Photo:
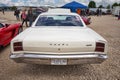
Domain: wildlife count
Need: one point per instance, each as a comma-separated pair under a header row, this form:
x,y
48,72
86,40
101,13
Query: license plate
x,y
58,61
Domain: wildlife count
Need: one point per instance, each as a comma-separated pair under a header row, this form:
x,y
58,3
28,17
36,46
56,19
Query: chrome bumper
x,y
70,58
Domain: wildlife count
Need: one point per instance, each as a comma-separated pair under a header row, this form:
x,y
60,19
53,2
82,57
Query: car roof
x,y
46,13
59,10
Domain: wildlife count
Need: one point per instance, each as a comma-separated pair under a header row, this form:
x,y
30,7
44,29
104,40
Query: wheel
x,y
20,30
1,47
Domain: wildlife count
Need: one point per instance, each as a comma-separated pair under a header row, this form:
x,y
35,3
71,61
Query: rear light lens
x,y
100,47
18,46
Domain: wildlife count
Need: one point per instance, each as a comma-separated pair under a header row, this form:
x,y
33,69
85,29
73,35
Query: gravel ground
x,y
107,26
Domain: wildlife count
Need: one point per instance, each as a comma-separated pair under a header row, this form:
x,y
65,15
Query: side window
x,y
1,25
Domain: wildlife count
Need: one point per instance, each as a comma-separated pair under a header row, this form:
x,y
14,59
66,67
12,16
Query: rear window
x,y
59,20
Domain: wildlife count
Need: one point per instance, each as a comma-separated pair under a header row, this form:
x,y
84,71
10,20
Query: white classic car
x,y
59,37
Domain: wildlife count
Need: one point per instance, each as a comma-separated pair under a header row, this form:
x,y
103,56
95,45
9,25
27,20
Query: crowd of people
x,y
82,12
86,12
25,16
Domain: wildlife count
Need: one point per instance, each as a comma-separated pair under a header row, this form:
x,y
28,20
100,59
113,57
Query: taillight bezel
x,y
18,46
100,47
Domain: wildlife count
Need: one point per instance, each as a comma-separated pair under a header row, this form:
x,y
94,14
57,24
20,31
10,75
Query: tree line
x,y
92,4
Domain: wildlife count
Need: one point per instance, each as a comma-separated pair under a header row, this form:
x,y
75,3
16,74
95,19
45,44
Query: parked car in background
x,y
86,19
38,11
59,37
8,32
104,11
92,11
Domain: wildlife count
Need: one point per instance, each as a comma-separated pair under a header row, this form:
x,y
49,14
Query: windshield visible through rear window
x,y
59,20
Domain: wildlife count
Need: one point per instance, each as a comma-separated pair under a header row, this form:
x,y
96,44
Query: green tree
x,y
101,6
13,8
115,4
92,4
108,7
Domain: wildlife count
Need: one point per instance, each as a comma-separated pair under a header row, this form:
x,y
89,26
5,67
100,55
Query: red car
x,y
7,32
86,20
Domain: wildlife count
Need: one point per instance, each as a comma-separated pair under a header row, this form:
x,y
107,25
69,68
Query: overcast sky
x,y
53,2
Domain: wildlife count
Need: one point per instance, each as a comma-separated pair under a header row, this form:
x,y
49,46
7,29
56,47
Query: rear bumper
x,y
71,59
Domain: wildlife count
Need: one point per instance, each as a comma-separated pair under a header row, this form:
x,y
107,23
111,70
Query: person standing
x,y
100,12
87,12
30,16
17,13
78,11
24,17
3,11
119,16
97,12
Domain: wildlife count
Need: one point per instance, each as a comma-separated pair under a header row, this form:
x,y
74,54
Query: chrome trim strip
x,y
42,56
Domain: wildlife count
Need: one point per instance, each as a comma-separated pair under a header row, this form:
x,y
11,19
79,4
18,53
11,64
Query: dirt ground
x,y
107,26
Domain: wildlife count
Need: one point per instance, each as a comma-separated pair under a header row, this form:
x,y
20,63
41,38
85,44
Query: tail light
x,y
100,47
17,46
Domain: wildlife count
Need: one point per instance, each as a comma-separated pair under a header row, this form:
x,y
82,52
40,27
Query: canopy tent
x,y
74,5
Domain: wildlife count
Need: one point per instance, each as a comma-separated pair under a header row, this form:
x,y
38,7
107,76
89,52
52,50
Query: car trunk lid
x,y
58,40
